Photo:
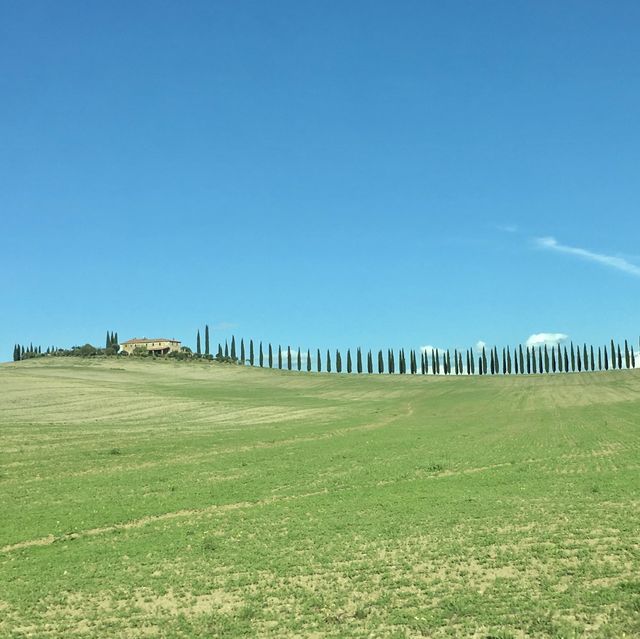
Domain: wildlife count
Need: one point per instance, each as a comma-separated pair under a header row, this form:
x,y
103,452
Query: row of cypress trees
x,y
20,351
517,361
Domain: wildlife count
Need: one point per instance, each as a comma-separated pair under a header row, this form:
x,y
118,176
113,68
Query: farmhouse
x,y
156,346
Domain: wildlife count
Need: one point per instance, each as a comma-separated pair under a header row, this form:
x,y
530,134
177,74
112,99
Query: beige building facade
x,y
156,346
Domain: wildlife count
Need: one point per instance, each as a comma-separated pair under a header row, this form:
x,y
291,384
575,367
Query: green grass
x,y
169,499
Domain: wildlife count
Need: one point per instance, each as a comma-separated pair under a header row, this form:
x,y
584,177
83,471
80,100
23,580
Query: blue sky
x,y
326,174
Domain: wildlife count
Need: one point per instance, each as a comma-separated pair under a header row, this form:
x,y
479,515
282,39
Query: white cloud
x,y
550,339
428,348
619,263
507,228
480,345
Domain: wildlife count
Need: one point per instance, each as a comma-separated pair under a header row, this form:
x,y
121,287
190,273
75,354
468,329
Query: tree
x,y
521,356
627,358
606,359
198,347
633,359
115,338
349,360
233,347
226,349
402,363
108,340
359,360
468,363
242,352
573,359
338,362
599,358
391,364
279,357
455,358
553,360
492,364
270,356
370,363
299,361
534,363
484,361
578,360
328,361
288,358
613,355
460,362
593,363
472,361
480,365
422,366
261,356
308,361
515,361
251,354
566,360
508,368
380,363
619,357
318,361
546,359
435,361
206,339
219,354
559,357
413,363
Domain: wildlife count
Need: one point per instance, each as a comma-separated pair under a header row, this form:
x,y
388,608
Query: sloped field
x,y
166,499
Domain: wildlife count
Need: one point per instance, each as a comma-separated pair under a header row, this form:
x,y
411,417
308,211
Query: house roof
x,y
148,340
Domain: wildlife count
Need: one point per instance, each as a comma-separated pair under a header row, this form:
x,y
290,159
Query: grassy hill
x,y
169,499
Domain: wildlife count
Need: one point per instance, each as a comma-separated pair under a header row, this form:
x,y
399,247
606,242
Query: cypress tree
x,y
619,357
484,361
242,352
460,362
546,359
299,361
22,352
578,360
515,361
521,356
434,361
198,347
349,367
492,364
226,349
115,338
585,357
369,363
233,348
473,362
359,360
338,362
613,355
401,363
422,362
289,358
448,362
573,359
219,353
318,362
261,356
528,361
270,356
206,339
455,359
633,359
566,360
328,361
468,364
599,358
308,361
279,357
504,360
534,363
553,360
251,353
480,365
606,359
392,363
380,363
627,358
107,342
414,364
559,358
593,363
508,360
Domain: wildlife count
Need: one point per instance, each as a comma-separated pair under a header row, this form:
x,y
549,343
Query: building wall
x,y
159,345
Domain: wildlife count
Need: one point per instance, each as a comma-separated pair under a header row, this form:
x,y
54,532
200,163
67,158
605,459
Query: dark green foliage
x,y
288,358
578,360
606,359
359,360
299,360
226,349
613,355
338,362
521,357
233,347
559,357
318,361
206,339
242,352
573,359
593,363
328,361
504,360
627,358
480,365
509,361
369,363
484,361
413,363
633,359
251,353
534,363
585,357
553,360
599,358
492,364
198,346
528,361
270,356
391,364
380,363
349,367
472,362
546,359
260,356
219,354
619,357
308,361
515,361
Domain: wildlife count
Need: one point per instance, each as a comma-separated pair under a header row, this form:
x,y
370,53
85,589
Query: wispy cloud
x,y
619,263
507,228
550,339
480,345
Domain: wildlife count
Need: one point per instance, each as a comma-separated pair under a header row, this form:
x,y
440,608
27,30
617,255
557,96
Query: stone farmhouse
x,y
156,345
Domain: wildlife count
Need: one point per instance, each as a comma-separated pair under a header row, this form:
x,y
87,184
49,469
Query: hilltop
x,y
162,498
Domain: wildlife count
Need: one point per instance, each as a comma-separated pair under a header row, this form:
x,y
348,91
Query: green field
x,y
187,499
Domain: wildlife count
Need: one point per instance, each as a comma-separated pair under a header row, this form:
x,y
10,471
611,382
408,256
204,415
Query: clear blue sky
x,y
323,174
